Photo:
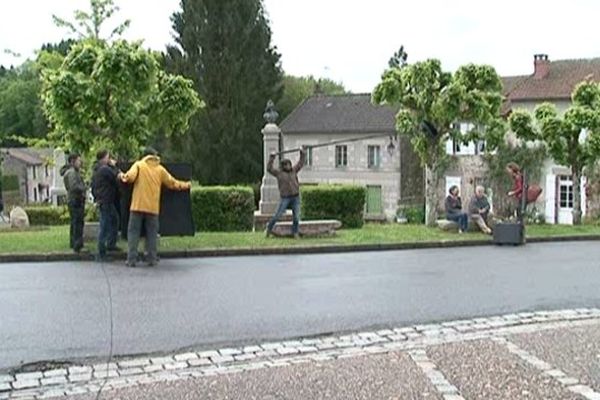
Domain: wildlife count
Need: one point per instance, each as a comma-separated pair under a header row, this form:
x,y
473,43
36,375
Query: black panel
x,y
175,206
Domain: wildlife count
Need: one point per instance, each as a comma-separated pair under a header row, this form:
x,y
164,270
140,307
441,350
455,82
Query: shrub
x,y
223,208
343,202
414,214
9,183
47,216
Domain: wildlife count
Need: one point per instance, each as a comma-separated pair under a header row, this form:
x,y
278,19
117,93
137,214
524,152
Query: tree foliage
x,y
225,47
88,24
20,109
572,139
298,88
114,95
428,95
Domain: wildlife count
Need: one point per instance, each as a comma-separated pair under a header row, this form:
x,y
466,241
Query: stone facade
x,y
321,167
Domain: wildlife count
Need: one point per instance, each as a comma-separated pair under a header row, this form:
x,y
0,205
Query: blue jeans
x,y
461,219
285,202
109,227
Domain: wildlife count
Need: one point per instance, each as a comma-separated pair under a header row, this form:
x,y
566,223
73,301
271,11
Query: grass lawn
x,y
56,239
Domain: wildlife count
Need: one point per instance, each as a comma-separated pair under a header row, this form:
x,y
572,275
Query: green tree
x,y
298,88
431,102
225,47
88,25
572,139
20,108
114,95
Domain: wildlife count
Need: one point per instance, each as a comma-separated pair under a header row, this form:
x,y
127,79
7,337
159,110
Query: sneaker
x,y
296,236
268,233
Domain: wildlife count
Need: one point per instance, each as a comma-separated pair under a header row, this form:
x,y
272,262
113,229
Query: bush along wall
x,y
223,208
53,216
342,202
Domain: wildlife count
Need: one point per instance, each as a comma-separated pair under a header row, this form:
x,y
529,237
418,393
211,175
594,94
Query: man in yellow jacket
x,y
148,176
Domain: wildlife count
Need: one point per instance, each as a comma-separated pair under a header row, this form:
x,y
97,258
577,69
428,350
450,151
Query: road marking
x,y
572,384
434,375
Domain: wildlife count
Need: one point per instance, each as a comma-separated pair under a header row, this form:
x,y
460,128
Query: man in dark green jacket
x,y
76,191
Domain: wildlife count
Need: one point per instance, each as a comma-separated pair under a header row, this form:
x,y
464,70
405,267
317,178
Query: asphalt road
x,y
61,311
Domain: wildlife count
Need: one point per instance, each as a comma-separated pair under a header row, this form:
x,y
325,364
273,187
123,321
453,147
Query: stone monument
x,y
269,192
57,190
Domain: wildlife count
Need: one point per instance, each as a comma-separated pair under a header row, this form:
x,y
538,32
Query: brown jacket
x,y
288,181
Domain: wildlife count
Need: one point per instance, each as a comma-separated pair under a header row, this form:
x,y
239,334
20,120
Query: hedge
x,y
52,216
9,183
342,202
47,216
223,208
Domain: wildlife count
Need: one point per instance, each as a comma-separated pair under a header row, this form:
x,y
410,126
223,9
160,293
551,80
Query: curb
x,y
268,251
132,371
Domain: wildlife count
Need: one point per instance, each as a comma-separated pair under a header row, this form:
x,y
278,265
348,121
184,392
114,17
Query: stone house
x,y
391,178
34,171
551,81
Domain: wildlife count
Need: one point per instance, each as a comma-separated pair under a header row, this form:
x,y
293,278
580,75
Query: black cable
x,y
110,354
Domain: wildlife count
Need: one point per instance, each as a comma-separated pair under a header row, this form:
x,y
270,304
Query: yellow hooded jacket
x,y
148,176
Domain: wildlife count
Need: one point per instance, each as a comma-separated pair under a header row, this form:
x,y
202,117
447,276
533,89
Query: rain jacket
x,y
74,183
148,176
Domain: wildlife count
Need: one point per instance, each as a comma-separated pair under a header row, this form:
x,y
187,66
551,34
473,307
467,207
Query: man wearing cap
x,y
148,176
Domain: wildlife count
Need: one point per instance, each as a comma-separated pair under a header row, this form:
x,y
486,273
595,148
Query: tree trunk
x,y
576,197
432,181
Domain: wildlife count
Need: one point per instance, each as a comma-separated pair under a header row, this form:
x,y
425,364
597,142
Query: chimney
x,y
541,66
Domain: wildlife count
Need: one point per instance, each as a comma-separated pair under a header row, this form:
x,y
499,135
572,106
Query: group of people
x,y
478,209
147,176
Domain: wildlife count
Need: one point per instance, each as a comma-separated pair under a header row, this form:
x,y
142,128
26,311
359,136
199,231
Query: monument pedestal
x,y
261,220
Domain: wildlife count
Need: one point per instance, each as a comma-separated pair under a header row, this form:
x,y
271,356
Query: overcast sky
x,y
351,40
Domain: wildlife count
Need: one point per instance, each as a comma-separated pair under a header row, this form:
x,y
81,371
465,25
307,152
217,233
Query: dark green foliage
x,y
531,160
342,202
9,183
225,47
47,216
53,216
220,208
414,214
297,88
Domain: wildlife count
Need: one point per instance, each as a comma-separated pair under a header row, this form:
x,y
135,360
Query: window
x,y
341,156
565,187
374,156
456,146
34,172
35,193
480,146
46,171
309,157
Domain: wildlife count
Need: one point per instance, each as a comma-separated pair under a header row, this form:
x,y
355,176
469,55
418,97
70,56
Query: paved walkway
x,y
60,311
542,355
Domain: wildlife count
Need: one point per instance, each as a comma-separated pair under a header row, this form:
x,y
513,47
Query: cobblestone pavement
x,y
541,355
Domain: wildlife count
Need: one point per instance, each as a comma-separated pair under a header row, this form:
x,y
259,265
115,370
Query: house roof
x,y
29,156
348,113
563,76
354,113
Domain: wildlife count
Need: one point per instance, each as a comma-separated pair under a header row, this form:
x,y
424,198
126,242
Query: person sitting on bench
x,y
479,208
454,210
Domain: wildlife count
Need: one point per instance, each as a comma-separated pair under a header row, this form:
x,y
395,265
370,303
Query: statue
x,y
271,115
